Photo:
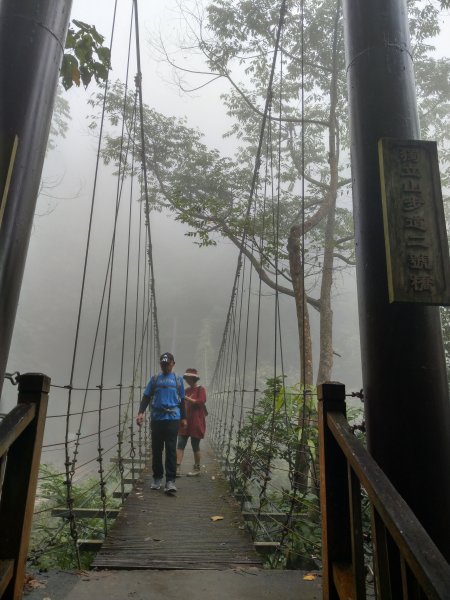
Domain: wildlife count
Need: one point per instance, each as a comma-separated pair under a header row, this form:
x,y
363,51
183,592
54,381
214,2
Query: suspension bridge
x,y
266,495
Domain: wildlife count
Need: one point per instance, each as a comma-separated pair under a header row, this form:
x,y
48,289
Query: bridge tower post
x,y
404,377
32,37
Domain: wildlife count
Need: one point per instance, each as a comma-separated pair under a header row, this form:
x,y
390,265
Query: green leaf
x,y
69,73
86,75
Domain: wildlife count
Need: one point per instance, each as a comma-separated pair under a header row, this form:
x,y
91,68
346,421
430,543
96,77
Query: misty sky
x,y
193,284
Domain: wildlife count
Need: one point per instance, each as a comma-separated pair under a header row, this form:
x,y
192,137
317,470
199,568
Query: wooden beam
x,y
86,513
266,547
6,573
20,481
119,494
344,580
89,545
132,481
14,424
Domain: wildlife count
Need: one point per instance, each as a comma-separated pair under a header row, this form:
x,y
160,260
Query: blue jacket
x,y
165,394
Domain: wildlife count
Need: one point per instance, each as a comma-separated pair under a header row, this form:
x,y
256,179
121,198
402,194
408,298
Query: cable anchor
x,y
13,377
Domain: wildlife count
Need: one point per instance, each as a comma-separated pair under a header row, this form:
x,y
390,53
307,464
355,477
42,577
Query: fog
x,y
193,285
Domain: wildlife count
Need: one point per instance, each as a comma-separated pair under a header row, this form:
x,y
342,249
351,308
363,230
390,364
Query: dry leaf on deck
x,y
216,518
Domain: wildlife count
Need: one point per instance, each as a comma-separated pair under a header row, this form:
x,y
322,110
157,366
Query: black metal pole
x,y
405,387
32,37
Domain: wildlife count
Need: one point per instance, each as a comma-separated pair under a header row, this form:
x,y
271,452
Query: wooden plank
x,y
381,556
86,513
410,588
334,496
6,573
119,494
343,580
89,545
130,481
156,531
266,546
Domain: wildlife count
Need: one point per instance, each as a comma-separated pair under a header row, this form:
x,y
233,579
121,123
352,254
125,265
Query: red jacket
x,y
195,413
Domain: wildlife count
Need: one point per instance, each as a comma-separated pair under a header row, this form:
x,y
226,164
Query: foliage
x,y
272,432
85,56
60,117
307,126
266,459
51,544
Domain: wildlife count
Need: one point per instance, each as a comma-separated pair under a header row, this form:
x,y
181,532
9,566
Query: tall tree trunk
x,y
301,306
302,457
326,314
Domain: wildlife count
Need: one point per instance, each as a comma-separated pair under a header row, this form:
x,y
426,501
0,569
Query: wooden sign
x,y
417,255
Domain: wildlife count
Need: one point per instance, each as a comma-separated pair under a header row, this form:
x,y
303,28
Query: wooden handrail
x,y
344,461
416,546
21,435
14,423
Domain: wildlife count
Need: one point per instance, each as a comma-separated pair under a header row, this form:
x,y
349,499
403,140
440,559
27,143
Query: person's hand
x,y
183,423
140,419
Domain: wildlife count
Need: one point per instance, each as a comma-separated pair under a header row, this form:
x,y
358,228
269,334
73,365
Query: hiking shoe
x,y
195,471
170,488
156,484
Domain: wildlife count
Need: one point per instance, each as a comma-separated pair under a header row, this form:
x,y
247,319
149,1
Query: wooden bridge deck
x,y
156,531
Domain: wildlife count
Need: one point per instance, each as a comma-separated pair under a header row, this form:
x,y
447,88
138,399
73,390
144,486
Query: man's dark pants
x,y
164,433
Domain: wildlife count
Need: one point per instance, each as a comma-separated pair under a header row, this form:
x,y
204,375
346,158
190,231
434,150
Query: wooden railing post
x,y
334,495
20,481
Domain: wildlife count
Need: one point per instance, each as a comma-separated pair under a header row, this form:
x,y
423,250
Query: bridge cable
x,y
70,499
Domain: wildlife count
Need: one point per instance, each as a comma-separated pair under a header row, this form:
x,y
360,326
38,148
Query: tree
x,y
209,192
85,56
308,140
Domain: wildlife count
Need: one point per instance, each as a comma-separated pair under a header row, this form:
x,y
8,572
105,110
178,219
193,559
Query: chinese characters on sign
x,y
417,253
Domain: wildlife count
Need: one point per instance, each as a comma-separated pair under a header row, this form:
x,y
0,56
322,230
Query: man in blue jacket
x,y
165,394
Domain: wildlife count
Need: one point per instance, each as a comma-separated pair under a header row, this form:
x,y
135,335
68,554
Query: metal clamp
x,y
13,377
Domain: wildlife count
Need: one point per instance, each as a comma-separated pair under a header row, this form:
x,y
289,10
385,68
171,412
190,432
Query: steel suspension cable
x,y
69,497
144,172
255,175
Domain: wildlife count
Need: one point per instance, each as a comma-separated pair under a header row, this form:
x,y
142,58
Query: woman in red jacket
x,y
194,402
